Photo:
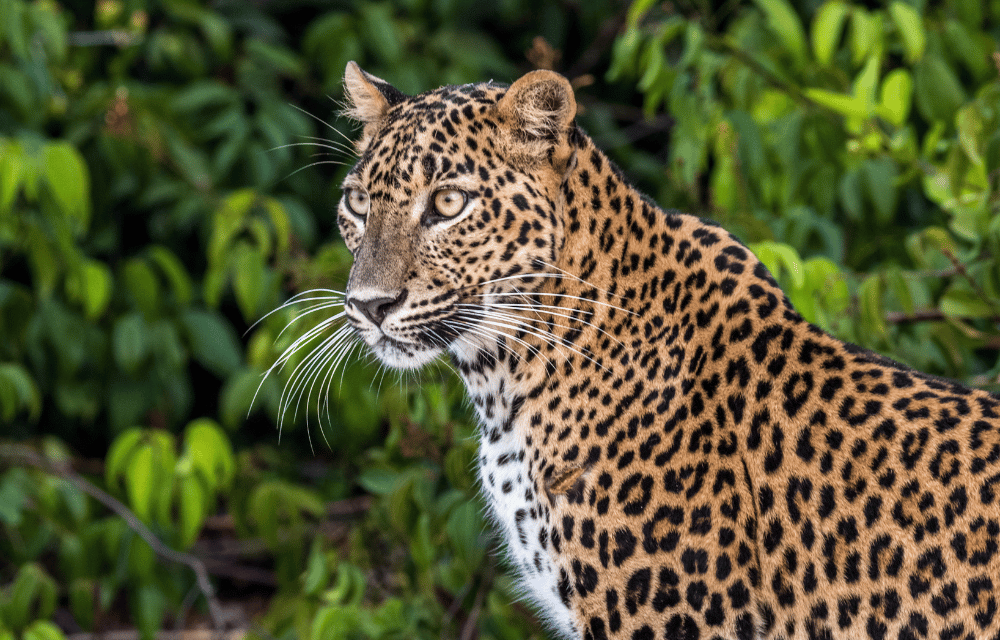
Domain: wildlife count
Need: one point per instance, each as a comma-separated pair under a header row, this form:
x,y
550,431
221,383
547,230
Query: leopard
x,y
667,448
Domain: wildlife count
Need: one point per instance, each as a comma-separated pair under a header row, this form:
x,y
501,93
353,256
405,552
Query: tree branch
x,y
926,315
23,455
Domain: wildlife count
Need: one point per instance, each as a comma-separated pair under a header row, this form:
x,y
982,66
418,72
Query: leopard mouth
x,y
403,355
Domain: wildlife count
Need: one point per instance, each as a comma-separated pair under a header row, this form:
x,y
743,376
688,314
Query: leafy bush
x,y
161,192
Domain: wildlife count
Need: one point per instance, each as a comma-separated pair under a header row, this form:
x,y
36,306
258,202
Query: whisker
x,y
552,313
308,144
472,327
301,372
567,296
578,279
548,337
314,309
296,299
318,119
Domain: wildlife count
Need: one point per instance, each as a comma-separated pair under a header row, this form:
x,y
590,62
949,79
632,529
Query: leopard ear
x,y
368,97
540,104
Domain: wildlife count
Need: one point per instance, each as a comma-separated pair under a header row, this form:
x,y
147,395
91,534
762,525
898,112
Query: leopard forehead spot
x,y
669,450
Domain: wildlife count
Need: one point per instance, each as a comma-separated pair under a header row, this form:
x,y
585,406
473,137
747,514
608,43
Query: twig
x,y
968,276
26,456
456,606
926,315
187,634
346,508
755,65
109,37
469,628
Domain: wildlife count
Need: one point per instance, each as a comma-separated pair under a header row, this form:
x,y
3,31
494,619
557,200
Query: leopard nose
x,y
376,309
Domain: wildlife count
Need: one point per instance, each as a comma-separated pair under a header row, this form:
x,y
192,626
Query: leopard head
x,y
454,202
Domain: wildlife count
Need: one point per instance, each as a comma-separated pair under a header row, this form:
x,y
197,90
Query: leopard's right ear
x,y
369,98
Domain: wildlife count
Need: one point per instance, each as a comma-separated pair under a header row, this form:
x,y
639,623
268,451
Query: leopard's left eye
x,y
448,203
357,202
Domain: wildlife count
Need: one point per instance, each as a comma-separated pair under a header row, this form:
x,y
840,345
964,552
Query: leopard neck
x,y
589,289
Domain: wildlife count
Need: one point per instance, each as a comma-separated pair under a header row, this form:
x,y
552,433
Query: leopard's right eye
x,y
358,202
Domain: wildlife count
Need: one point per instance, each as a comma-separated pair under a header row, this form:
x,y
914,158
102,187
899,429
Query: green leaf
x,y
422,550
193,509
970,131
68,182
378,481
279,220
880,177
938,91
191,160
872,309
317,573
249,274
141,282
228,221
911,29
202,95
900,289
140,478
121,450
785,23
174,271
961,302
896,97
238,394
13,170
96,278
846,105
72,556
210,452
149,606
130,345
13,496
865,34
18,392
866,83
32,596
637,10
827,28
779,257
465,529
82,602
212,340
43,630
280,59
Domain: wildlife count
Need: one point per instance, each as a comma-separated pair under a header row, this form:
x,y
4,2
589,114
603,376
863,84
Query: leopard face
x,y
442,222
668,449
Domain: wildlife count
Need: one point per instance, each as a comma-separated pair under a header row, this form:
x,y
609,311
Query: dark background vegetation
x,y
168,175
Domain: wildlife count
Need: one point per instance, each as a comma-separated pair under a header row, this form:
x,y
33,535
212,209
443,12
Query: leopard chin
x,y
402,356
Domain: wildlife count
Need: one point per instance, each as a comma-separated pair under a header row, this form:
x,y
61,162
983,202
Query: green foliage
x,y
167,178
166,170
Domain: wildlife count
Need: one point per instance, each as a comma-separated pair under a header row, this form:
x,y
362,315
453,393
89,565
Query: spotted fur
x,y
668,449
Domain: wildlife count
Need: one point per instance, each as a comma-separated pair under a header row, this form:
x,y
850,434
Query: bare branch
x,y
925,315
20,454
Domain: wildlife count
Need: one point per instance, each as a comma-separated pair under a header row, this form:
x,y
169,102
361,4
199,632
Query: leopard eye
x,y
448,203
358,202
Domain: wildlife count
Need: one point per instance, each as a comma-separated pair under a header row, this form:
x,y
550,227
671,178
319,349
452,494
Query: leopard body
x,y
668,449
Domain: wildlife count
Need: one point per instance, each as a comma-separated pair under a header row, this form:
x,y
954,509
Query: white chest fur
x,y
512,496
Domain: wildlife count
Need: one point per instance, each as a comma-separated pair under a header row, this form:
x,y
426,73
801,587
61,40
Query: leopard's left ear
x,y
369,99
540,105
